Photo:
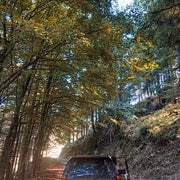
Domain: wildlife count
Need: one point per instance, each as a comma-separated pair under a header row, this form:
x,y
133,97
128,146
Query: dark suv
x,y
90,167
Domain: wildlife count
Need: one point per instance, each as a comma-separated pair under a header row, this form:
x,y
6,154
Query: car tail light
x,y
118,177
63,177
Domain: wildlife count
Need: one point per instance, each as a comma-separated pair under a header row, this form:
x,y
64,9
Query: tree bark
x,y
6,161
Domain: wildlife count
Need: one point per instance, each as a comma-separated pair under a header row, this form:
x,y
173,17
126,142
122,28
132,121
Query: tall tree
x,y
58,58
39,37
153,36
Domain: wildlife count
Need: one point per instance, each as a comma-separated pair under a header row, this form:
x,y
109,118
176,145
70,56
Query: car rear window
x,y
90,167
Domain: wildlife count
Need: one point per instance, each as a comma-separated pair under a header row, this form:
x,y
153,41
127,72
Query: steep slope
x,y
151,144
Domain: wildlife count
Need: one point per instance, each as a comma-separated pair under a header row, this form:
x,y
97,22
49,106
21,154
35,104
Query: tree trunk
x,y
92,121
6,161
43,128
177,63
25,151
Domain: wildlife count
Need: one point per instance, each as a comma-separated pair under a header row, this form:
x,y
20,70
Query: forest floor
x,y
50,169
152,145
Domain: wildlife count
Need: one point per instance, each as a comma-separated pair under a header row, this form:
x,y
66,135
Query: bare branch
x,y
164,9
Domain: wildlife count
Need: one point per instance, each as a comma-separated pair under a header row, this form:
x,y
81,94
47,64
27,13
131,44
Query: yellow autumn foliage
x,y
85,41
144,44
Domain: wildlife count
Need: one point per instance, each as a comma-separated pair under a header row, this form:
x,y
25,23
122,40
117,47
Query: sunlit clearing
x,y
53,151
54,148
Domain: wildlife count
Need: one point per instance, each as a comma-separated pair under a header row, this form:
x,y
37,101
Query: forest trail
x,y
51,169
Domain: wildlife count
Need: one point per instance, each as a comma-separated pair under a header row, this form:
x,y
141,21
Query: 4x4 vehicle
x,y
93,167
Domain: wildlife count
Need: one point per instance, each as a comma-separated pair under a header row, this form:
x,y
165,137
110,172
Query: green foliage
x,y
63,62
85,145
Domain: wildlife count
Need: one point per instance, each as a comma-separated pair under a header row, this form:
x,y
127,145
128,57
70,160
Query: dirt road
x,y
51,169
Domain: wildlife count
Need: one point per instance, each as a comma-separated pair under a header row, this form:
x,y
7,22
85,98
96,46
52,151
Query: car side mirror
x,y
121,171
